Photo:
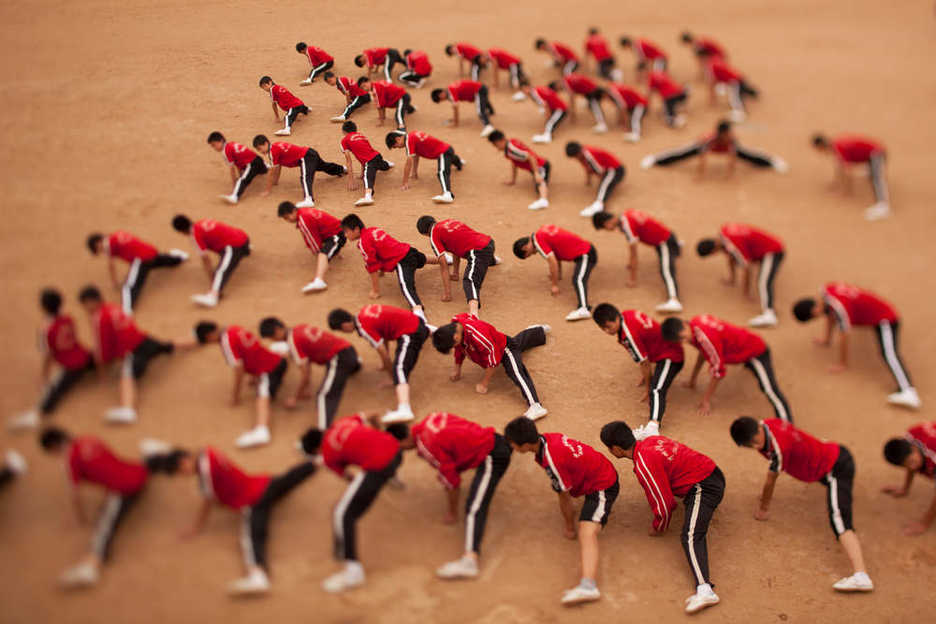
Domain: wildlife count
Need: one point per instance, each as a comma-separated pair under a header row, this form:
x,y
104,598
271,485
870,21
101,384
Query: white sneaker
x,y
280,347
680,121
767,319
367,200
81,575
151,446
208,300
121,415
282,132
592,209
178,253
648,161
539,204
880,210
231,199
419,85
578,314
542,138
702,599
631,137
487,130
258,436
25,420
600,128
432,328
546,328
907,398
350,577
737,116
779,165
579,594
466,567
857,582
518,96
639,433
15,462
338,119
254,583
306,202
497,260
445,198
403,413
305,83
316,285
390,163
535,412
721,89
670,305
450,258
652,428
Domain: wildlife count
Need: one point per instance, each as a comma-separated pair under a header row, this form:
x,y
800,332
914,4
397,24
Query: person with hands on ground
x,y
230,243
355,96
282,98
319,60
522,157
916,453
418,144
244,163
602,164
356,144
308,161
853,150
722,141
557,245
467,91
321,233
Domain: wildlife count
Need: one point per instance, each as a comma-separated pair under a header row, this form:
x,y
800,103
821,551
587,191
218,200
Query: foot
x,y
600,128
737,116
420,84
316,285
546,328
907,398
254,583
15,462
307,202
578,314
535,412
631,137
258,436
305,83
338,119
702,599
767,319
539,204
151,446
652,428
880,210
857,582
231,199
449,257
81,575
390,163
401,414
280,347
208,300
670,305
25,420
779,165
466,567
350,577
121,415
367,200
497,260
592,209
542,138
518,96
647,162
580,594
488,129
178,253
432,328
680,121
283,132
445,198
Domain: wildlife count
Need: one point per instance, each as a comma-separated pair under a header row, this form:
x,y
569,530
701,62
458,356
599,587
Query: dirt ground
x,y
107,106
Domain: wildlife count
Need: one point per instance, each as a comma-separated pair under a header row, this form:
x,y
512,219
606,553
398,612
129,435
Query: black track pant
x,y
293,113
483,105
478,262
569,67
517,75
319,69
6,476
411,78
737,91
878,182
534,336
136,277
485,481
407,353
230,258
839,495
257,517
60,385
311,163
476,67
754,157
763,370
115,509
667,252
553,121
393,57
337,372
136,363
636,117
371,167
583,268
406,275
701,501
887,339
609,181
356,500
670,106
355,104
606,68
444,164
664,373
254,168
594,105
404,106
769,266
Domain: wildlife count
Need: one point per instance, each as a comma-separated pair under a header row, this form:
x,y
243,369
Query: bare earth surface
x,y
106,109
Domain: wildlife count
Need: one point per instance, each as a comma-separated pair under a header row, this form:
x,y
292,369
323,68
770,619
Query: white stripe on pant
x,y
834,506
105,525
127,291
655,401
366,176
890,356
527,394
441,173
342,507
693,558
600,509
306,189
734,96
763,281
603,187
406,293
222,268
553,121
472,261
764,378
324,390
665,269
401,359
580,283
247,549
636,117
475,504
595,105
240,181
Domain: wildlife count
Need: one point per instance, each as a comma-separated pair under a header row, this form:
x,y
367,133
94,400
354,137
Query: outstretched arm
x,y
200,519
554,274
567,509
763,505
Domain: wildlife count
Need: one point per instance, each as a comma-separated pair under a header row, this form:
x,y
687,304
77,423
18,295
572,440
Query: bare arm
x,y
456,268
705,405
766,495
45,370
446,282
77,507
234,174
554,276
732,270
826,338
482,386
415,166
276,111
375,286
386,362
632,264
695,371
349,165
204,510
746,283
567,509
305,375
238,382
451,513
455,114
456,372
903,490
407,170
272,178
843,350
206,263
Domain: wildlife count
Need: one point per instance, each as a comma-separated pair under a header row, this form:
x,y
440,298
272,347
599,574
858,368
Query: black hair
x,y
285,208
743,430
437,95
328,75
215,137
359,60
89,293
92,242
391,138
600,218
618,433
50,300
670,329
362,79
301,47
573,148
555,85
203,328
259,140
52,438
311,441
407,52
443,339
496,136
539,44
167,463
605,312
269,325
349,126
449,49
706,246
521,430
338,317
897,450
181,223
592,31
518,247
625,42
524,81
803,309
703,53
400,431
424,224
265,79
686,36
642,65
819,140
723,126
352,222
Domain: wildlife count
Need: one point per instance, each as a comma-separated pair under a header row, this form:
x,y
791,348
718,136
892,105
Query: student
x,y
673,94
562,55
309,344
847,306
522,157
355,96
378,325
850,150
418,144
254,496
59,345
602,164
723,77
355,143
230,243
666,469
245,354
386,95
639,227
355,441
505,61
596,47
648,53
418,68
140,255
321,233
575,470
579,84
383,253
631,105
467,91
467,52
488,348
916,452
550,104
556,246
319,60
454,237
116,337
282,154
660,361
285,100
375,58
245,164
721,343
453,445
14,465
809,459
704,48
722,141
745,245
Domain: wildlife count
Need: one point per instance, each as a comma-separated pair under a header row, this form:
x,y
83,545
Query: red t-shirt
x,y
647,50
351,442
91,460
464,90
597,46
642,337
664,85
856,149
455,237
923,436
467,51
518,153
375,56
315,226
722,343
710,46
562,52
452,445
639,226
553,239
503,58
309,343
387,94
425,145
216,236
317,56
286,154
480,341
128,247
626,97
221,480
796,452
598,160
547,98
418,61
349,87
573,466
238,155
667,469
381,251
747,244
60,342
241,348
116,333
284,98
579,84
357,144
377,323
720,71
851,305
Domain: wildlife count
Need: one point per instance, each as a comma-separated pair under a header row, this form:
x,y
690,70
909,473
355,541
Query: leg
x,y
887,339
370,176
636,117
735,97
291,115
609,182
675,155
583,268
406,276
323,67
356,500
403,105
594,104
530,338
701,501
664,373
223,271
482,104
133,285
355,104
765,279
445,170
513,366
115,509
342,365
57,389
756,158
485,481
553,122
475,271
667,258
763,369
878,182
309,164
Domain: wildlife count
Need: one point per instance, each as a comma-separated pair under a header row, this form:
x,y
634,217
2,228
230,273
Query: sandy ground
x,y
106,109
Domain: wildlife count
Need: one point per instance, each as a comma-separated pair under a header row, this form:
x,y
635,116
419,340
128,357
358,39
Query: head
x,y
395,139
625,42
401,432
51,301
352,226
301,47
540,44
605,220
820,142
497,139
330,78
556,85
364,83
272,328
723,128
360,60
619,439
439,95
340,319
348,127
424,224
407,52
177,461
707,246
207,332
262,144
447,336
182,224
54,440
608,318
806,309
450,50
287,212
746,431
311,441
523,247
216,140
522,435
900,452
592,31
266,83
686,37
573,149
674,330
90,299
95,243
